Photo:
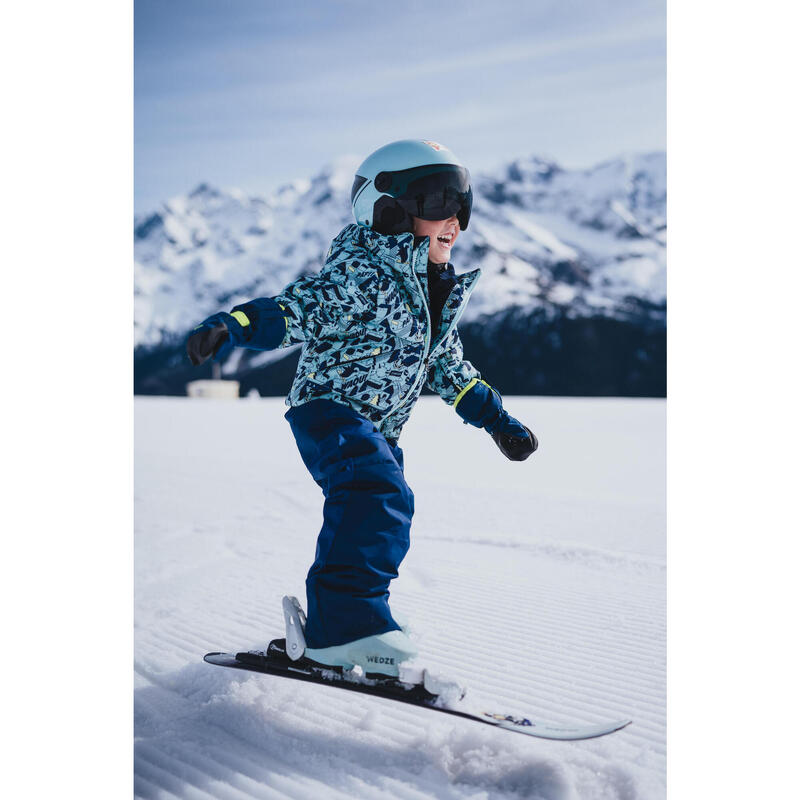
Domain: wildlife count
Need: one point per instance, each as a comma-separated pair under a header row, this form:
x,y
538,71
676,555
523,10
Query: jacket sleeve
x,y
450,376
299,312
461,386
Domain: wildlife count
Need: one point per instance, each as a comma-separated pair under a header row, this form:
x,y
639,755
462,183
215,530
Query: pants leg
x,y
366,522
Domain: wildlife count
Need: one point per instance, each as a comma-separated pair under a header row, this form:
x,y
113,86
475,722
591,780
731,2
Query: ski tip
x,y
603,730
623,723
545,730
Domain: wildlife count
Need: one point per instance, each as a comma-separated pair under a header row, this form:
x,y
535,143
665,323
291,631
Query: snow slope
x,y
540,585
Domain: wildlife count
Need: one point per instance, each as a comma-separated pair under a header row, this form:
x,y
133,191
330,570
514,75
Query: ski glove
x,y
257,325
515,440
211,339
481,405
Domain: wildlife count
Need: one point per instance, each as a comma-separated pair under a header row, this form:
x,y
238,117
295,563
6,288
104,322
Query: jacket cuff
x,y
235,330
261,324
478,404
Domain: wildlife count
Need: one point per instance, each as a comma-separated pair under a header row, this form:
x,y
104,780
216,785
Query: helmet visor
x,y
435,191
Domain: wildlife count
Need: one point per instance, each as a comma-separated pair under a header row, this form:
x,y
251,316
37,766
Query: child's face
x,y
448,229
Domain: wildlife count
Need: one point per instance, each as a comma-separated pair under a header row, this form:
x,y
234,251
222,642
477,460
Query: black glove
x,y
515,440
481,405
211,339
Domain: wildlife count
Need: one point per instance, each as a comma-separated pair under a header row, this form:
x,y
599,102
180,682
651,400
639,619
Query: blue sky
x,y
254,93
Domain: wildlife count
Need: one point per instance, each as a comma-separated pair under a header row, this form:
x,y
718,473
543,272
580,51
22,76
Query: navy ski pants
x,y
366,521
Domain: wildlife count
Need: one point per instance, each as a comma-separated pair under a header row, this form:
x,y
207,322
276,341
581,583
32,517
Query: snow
x,y
543,236
540,586
562,294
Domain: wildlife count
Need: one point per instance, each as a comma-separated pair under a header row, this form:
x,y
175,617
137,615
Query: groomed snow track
x,y
541,586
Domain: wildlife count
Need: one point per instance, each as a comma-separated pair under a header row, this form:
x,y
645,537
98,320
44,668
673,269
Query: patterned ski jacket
x,y
364,323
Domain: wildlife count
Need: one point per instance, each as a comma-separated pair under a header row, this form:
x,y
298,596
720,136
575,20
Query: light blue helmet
x,y
412,177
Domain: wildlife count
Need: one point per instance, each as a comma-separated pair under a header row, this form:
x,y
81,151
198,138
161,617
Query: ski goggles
x,y
431,192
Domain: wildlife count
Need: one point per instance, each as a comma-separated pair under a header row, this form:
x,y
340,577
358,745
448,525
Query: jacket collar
x,y
397,250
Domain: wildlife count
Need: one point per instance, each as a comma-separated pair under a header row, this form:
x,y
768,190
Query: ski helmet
x,y
411,177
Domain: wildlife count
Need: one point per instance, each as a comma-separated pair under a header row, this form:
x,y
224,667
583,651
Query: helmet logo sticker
x,y
434,145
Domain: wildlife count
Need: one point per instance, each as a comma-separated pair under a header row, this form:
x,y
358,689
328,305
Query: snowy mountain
x,y
555,246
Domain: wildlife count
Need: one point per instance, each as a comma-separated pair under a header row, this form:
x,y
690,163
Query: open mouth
x,y
446,240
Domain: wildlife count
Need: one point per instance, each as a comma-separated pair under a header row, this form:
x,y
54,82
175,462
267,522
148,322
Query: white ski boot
x,y
390,654
382,653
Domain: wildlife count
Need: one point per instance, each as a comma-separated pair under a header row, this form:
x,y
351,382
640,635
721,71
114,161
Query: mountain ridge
x,y
553,244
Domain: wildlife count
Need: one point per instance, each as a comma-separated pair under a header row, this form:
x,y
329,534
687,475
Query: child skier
x,y
376,324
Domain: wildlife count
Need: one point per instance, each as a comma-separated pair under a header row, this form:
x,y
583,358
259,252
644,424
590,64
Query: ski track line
x,y
256,782
557,661
547,645
143,789
612,653
535,582
252,612
557,634
570,683
147,787
176,637
260,775
180,782
166,658
596,602
533,574
587,557
192,636
608,618
571,678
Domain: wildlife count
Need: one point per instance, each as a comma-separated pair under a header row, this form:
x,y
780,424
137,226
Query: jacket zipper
x,y
460,311
428,340
427,348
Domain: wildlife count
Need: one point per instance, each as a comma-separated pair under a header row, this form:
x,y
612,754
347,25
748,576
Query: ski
x,y
276,661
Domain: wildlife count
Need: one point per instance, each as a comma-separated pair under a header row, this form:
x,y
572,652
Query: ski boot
x,y
382,653
384,662
387,658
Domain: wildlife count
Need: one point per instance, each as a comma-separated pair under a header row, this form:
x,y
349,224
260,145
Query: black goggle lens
x,y
434,192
